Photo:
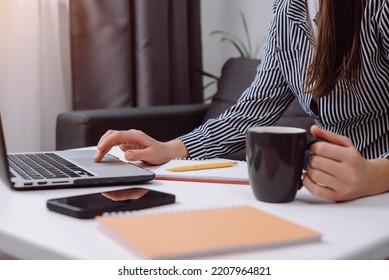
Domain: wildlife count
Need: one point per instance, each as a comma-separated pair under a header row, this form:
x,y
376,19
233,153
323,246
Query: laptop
x,y
65,169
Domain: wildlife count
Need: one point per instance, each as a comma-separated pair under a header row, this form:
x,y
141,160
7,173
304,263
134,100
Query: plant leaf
x,y
209,75
242,51
259,44
207,85
246,29
235,41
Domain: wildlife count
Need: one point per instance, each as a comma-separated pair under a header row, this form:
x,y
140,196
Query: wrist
x,y
379,175
176,149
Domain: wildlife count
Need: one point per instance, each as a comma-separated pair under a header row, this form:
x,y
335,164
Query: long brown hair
x,y
337,45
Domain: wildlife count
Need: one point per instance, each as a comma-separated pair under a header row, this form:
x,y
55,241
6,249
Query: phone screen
x,y
91,205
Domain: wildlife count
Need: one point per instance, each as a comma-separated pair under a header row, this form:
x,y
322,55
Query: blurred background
x,y
46,65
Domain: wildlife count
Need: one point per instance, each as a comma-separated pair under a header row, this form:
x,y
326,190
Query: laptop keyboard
x,y
45,166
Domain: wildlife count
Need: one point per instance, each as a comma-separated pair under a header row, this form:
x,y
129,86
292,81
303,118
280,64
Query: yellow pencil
x,y
200,166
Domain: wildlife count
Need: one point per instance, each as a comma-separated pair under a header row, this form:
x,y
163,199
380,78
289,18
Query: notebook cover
x,y
200,232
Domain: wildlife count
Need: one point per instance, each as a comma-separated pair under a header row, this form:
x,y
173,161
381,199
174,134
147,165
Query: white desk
x,y
352,230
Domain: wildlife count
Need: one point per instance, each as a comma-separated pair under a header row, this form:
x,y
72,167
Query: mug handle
x,y
308,155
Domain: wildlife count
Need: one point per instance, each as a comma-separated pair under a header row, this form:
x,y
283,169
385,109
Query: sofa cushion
x,y
236,76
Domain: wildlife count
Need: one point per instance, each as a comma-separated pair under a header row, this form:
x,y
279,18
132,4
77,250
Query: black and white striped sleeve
x,y
384,30
261,104
384,27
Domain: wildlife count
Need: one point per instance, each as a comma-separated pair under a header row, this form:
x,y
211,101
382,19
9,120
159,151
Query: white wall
x,y
225,15
35,82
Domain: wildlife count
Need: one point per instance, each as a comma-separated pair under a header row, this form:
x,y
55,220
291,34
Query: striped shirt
x,y
361,113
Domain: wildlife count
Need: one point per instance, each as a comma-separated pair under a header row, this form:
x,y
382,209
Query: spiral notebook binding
x,y
170,210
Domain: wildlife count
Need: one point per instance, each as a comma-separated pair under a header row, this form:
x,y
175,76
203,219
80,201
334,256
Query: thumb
x,y
331,137
141,155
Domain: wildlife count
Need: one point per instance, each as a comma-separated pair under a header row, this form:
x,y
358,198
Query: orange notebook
x,y
188,234
237,174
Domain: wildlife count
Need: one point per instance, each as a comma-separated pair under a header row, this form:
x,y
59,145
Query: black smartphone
x,y
90,205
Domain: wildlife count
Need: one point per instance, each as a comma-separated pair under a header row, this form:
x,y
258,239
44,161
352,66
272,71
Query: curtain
x,y
135,53
34,71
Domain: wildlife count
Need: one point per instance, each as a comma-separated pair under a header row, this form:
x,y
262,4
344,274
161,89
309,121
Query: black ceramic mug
x,y
275,160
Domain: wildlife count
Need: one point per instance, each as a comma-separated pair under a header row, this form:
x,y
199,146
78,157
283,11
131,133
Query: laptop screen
x,y
4,168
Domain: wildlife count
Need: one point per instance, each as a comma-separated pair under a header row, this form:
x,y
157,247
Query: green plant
x,y
245,49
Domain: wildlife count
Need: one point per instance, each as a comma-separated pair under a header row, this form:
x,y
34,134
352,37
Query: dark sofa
x,y
84,128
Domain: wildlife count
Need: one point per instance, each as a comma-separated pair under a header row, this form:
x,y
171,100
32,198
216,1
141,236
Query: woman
x,y
333,56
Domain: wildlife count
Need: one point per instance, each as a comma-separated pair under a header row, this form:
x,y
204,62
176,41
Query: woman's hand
x,y
338,172
139,146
